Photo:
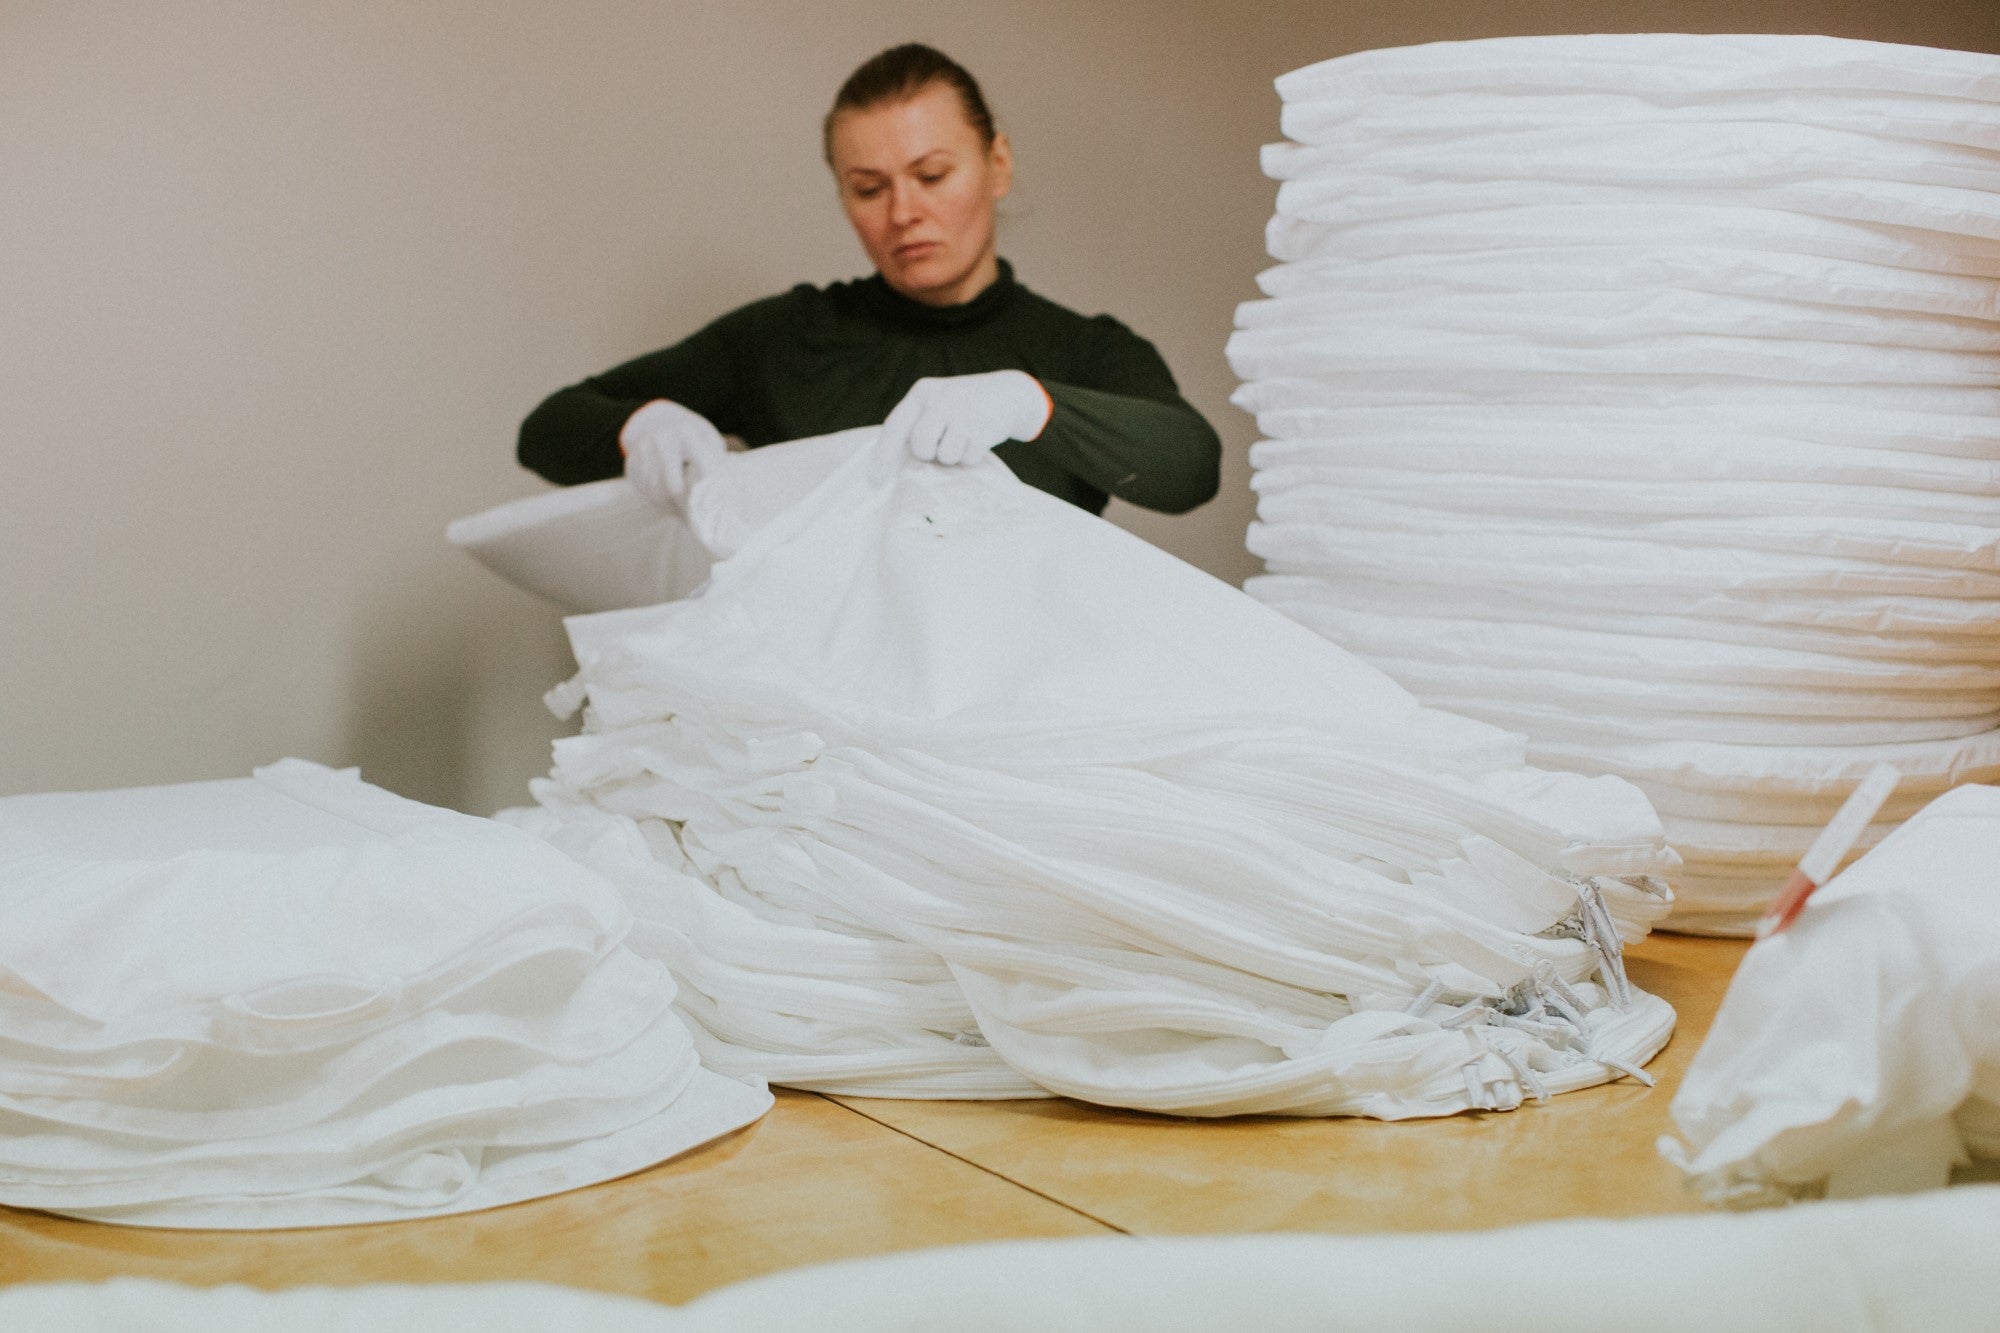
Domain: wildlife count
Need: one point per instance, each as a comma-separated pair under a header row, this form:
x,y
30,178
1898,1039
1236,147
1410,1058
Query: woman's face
x,y
919,187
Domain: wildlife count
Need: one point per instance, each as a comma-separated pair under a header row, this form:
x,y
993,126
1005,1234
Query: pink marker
x,y
1830,848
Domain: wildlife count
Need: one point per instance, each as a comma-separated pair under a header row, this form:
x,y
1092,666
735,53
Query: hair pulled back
x,y
900,73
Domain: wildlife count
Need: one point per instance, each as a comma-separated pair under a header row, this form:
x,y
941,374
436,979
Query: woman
x,y
941,341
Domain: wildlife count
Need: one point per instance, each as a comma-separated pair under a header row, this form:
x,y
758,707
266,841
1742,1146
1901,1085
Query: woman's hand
x,y
666,448
960,418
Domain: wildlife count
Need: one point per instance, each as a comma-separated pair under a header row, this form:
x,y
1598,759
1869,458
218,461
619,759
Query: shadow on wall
x,y
444,690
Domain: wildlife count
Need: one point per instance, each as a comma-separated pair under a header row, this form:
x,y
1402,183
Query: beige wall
x,y
277,281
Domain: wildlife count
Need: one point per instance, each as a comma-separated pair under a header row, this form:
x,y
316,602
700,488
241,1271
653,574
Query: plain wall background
x,y
278,282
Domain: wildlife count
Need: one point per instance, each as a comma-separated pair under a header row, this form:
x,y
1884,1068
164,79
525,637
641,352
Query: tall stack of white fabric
x,y
1638,393
943,787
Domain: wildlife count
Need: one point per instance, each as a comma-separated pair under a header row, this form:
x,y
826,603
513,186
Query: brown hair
x,y
899,73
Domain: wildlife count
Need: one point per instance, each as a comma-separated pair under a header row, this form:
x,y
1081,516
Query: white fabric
x,y
954,419
602,546
1879,1265
1670,67
665,446
1705,394
943,787
1639,391
1859,1051
1690,269
1704,153
587,548
1619,225
1420,117
298,1000
1922,206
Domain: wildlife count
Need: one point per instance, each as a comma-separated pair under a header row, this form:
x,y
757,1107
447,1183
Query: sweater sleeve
x,y
573,436
1127,431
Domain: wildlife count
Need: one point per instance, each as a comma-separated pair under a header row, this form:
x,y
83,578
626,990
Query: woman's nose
x,y
904,206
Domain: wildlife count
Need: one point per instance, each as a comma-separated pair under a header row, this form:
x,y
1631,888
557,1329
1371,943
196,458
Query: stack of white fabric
x,y
298,1000
943,787
1638,393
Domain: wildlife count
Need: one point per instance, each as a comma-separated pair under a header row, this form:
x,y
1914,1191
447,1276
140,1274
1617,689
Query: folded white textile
x,y
1400,545
1671,69
1800,440
1659,708
1779,206
1781,784
298,1000
1757,615
1335,387
1859,1051
1883,1265
1551,311
1895,629
1623,225
942,787
1881,524
1655,654
1387,116
1525,346
1663,153
1692,268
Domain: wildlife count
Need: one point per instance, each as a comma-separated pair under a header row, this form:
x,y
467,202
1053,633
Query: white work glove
x,y
667,447
960,418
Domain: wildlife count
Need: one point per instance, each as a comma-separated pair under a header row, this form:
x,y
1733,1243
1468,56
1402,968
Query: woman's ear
x,y
1000,161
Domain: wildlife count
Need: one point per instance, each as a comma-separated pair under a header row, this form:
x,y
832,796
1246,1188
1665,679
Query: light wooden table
x,y
830,1178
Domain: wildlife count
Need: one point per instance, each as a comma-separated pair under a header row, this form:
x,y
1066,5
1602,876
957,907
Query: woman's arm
x,y
573,436
1127,431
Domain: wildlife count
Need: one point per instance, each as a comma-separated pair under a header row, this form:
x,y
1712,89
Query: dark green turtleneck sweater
x,y
817,360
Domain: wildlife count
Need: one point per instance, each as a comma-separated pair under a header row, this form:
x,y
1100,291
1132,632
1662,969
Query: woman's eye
x,y
933,180
866,191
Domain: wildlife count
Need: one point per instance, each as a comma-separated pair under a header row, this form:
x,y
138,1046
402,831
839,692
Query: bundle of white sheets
x,y
298,1000
1642,394
942,787
1859,1051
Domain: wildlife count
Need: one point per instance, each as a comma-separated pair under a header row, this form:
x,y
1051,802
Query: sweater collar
x,y
891,305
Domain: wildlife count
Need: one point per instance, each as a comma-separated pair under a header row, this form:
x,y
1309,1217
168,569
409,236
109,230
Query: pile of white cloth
x,y
942,787
1638,393
1859,1051
298,1000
